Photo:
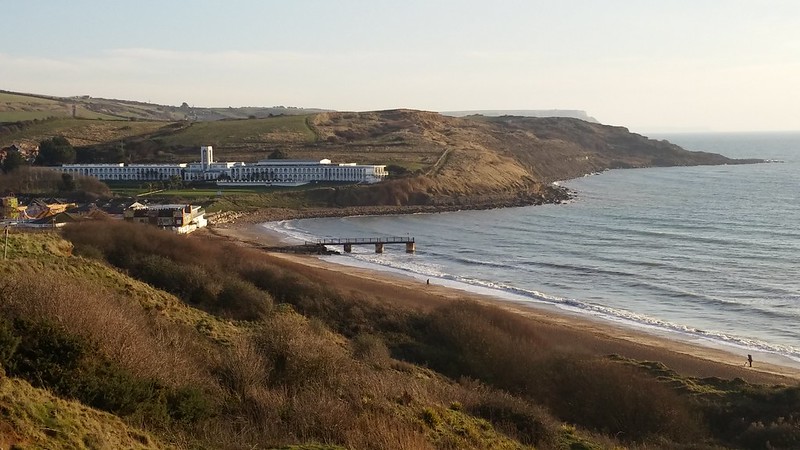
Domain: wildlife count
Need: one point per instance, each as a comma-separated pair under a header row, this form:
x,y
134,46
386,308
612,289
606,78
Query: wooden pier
x,y
379,242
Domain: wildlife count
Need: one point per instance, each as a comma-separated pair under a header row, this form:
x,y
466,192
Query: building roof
x,y
61,217
292,162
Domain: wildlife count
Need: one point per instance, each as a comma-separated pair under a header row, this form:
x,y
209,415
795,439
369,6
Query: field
x,y
15,108
81,131
273,130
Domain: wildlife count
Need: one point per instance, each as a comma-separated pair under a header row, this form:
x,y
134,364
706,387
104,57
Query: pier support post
x,y
348,248
379,247
411,247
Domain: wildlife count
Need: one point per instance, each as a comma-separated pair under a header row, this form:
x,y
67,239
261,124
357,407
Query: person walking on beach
x,y
428,281
750,360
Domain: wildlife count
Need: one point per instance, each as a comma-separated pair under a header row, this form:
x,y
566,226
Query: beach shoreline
x,y
569,331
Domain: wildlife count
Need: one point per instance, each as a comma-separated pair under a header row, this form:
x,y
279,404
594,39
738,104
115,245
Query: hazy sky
x,y
649,65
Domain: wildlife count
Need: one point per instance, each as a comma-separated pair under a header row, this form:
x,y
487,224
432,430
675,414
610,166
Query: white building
x,y
122,171
268,171
288,171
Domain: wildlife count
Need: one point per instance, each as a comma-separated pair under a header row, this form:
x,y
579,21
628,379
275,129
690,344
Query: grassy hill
x,y
35,418
121,335
437,161
16,107
216,363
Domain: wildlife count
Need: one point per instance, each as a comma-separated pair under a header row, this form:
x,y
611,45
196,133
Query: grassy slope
x,y
30,416
247,132
81,132
35,418
46,249
340,385
18,106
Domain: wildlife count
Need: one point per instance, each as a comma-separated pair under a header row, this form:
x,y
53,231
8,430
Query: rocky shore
x,y
554,195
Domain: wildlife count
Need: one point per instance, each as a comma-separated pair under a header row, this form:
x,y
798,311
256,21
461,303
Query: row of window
x,y
247,173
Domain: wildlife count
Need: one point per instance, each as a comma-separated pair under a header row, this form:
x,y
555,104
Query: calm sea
x,y
709,254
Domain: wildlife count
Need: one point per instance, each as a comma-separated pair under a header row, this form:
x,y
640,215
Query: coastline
x,y
567,331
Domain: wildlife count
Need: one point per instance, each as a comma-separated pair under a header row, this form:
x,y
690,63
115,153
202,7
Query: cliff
x,y
483,160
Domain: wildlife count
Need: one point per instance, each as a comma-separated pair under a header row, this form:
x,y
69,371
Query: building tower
x,y
206,157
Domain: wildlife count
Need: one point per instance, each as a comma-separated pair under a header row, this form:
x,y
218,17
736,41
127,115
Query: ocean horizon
x,y
702,254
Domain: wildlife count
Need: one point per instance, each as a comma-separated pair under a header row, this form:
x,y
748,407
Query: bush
x,y
614,399
9,342
371,349
204,275
69,365
191,283
299,357
242,300
468,339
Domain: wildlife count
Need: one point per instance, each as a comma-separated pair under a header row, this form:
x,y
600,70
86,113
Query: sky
x,y
699,65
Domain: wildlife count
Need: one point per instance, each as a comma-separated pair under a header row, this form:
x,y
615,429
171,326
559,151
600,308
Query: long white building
x,y
268,171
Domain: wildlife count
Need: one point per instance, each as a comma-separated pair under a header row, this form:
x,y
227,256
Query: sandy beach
x,y
570,332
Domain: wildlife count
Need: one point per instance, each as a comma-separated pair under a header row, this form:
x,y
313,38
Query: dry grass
x,y
332,375
140,342
282,379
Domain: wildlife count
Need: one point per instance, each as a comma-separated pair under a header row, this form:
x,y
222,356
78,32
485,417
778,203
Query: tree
x,y
13,160
175,182
278,154
67,183
55,151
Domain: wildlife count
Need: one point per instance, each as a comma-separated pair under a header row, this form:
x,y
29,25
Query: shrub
x,y
299,357
202,274
243,369
9,342
242,300
70,365
614,399
468,339
189,405
430,417
371,349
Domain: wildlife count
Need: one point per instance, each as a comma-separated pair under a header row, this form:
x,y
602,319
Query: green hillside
x,y
16,107
79,132
34,418
280,130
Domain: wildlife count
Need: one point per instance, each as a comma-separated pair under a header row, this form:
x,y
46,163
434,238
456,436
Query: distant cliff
x,y
572,113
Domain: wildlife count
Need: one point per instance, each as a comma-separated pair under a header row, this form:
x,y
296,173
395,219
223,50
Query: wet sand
x,y
564,330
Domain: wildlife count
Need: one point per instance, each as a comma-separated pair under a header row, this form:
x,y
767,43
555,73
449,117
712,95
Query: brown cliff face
x,y
483,160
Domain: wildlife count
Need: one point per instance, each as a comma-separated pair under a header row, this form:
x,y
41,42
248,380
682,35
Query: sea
x,y
705,254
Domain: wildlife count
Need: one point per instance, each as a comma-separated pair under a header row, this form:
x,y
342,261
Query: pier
x,y
379,242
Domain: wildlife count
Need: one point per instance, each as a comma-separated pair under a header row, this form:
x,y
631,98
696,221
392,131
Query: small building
x,y
89,211
54,221
181,219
